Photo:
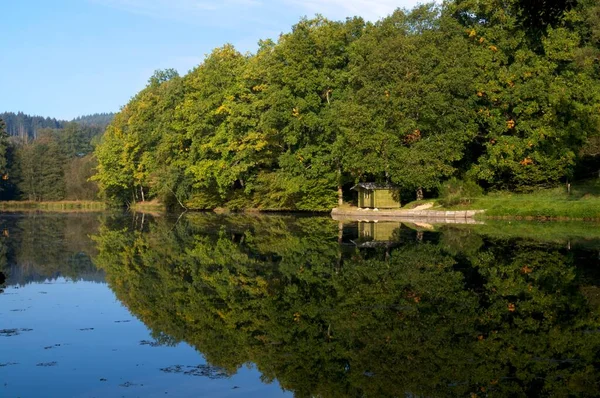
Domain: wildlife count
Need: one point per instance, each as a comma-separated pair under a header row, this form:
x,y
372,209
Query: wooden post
x,y
419,193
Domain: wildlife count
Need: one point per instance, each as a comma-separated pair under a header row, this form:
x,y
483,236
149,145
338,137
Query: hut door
x,y
368,198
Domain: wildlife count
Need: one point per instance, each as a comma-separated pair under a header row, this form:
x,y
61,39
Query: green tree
x,y
409,117
4,153
41,165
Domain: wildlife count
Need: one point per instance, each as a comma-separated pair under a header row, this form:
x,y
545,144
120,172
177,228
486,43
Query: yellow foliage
x,y
510,124
494,48
481,40
295,112
472,33
222,109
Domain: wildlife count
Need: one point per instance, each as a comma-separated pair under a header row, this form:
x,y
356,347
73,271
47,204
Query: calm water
x,y
101,305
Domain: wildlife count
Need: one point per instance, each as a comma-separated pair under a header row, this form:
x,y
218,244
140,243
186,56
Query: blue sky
x,y
64,58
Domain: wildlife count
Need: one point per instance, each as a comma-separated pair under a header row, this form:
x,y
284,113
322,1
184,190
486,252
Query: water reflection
x,y
35,247
333,309
327,310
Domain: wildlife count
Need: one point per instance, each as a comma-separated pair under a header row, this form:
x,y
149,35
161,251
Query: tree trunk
x,y
142,191
340,191
419,193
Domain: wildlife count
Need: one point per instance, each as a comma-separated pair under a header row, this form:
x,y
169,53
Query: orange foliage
x,y
413,137
526,270
526,162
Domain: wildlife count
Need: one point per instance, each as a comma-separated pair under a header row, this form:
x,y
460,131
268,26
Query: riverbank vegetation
x,y
502,95
577,201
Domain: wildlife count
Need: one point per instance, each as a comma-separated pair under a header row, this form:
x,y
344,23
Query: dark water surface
x,y
102,305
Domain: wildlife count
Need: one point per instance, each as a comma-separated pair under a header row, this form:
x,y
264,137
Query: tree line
x,y
54,165
26,127
503,94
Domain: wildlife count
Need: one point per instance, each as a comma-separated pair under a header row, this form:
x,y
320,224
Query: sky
x,y
66,58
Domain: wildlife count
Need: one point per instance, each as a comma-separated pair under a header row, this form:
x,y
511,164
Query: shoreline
x,y
59,206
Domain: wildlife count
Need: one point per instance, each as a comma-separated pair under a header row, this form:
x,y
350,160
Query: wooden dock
x,y
415,216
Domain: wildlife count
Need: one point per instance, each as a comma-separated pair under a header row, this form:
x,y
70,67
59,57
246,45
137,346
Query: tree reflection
x,y
449,315
42,246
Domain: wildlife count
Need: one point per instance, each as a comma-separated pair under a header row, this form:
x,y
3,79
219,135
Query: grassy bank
x,y
150,206
74,205
582,203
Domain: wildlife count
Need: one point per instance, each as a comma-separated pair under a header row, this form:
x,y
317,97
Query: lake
x,y
244,305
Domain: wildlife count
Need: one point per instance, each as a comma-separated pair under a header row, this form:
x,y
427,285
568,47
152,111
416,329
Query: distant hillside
x,y
23,125
95,120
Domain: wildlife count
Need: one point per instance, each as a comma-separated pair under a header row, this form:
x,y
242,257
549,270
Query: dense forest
x,y
502,94
49,163
95,120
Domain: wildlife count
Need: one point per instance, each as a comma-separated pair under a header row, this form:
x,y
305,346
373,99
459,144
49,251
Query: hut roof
x,y
371,186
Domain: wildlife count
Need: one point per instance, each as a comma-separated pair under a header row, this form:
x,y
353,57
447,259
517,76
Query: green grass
x,y
583,203
74,205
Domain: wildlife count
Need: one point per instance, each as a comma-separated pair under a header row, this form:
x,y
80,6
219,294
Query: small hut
x,y
381,196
